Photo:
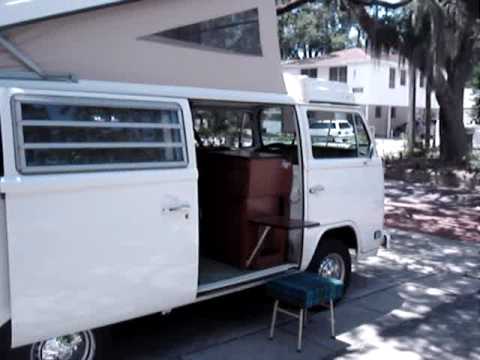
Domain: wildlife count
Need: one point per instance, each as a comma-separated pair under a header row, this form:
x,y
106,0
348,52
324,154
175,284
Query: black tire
x,y
5,340
328,247
100,351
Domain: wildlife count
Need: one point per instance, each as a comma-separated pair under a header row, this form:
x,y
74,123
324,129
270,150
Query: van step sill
x,y
250,277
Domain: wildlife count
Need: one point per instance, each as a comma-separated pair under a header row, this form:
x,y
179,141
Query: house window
x,y
403,77
378,112
66,134
392,76
393,112
313,72
338,73
237,33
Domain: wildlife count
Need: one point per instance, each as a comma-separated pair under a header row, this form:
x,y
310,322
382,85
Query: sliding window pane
x,y
59,157
59,134
97,114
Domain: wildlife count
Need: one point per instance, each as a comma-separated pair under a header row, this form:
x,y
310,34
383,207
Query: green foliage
x,y
314,29
441,38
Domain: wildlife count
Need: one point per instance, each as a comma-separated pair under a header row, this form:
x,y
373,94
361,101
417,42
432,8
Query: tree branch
x,y
381,37
384,4
293,4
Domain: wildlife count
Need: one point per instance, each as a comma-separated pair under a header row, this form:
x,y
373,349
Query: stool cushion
x,y
305,289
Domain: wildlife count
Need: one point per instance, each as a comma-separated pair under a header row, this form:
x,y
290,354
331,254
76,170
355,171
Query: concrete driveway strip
x,y
419,300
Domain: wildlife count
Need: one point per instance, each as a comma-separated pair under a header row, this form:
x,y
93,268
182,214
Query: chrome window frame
x,y
21,146
354,113
365,128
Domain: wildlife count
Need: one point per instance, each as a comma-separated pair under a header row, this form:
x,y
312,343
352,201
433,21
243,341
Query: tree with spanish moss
x,y
313,30
441,38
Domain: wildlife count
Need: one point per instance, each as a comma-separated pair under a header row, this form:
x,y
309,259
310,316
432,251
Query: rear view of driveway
x,y
419,300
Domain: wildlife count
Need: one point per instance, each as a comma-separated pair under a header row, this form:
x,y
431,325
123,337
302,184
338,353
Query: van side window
x,y
215,126
62,135
332,134
364,143
278,125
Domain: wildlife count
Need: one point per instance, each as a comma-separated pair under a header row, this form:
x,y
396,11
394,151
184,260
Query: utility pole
x,y
411,125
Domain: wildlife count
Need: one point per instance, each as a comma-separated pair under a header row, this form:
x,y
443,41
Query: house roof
x,y
347,56
14,12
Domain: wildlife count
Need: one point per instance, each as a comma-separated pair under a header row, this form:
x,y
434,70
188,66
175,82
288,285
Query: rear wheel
x,y
332,259
84,345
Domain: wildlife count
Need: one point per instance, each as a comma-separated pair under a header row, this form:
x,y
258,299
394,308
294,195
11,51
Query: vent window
x,y
236,33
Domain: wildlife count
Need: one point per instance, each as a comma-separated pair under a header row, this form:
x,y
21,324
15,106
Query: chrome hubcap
x,y
80,346
332,266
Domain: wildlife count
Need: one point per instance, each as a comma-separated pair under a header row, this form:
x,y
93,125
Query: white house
x,y
380,85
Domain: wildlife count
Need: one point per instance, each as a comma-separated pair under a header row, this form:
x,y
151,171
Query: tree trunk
x,y
428,113
412,118
453,138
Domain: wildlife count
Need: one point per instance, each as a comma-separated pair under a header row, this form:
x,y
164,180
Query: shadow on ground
x,y
418,301
449,212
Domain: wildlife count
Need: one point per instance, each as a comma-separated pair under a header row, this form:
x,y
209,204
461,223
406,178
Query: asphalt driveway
x,y
419,300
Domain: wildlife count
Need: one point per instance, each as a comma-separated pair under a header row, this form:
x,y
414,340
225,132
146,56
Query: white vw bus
x,y
122,198
102,211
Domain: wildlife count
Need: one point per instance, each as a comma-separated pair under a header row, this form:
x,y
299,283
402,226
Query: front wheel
x,y
332,259
84,345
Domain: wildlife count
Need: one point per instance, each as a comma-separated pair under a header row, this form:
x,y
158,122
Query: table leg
x,y
260,242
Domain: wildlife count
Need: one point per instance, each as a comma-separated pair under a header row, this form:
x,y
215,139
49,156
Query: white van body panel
x,y
352,193
111,254
314,235
4,283
103,88
132,259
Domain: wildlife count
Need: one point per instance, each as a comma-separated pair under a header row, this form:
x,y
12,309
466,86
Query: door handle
x,y
179,207
316,189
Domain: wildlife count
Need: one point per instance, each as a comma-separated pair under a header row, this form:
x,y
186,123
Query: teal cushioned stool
x,y
304,290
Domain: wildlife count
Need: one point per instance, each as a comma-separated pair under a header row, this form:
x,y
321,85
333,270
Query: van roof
x,y
13,12
106,87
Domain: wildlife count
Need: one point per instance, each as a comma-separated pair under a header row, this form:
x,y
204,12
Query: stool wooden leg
x,y
274,319
332,319
300,330
305,318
